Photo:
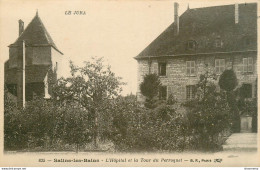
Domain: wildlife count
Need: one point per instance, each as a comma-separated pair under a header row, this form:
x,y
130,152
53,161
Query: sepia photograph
x,y
129,83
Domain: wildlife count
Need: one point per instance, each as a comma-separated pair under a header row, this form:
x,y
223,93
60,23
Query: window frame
x,y
189,68
218,43
248,62
247,41
221,64
160,70
194,44
190,92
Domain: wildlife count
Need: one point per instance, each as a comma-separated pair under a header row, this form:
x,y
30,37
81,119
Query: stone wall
x,y
176,78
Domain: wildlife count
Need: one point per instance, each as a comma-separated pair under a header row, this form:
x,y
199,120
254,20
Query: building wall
x,y
33,56
13,55
41,55
41,69
56,60
176,78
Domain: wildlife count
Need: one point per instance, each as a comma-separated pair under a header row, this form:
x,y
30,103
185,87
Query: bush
x,y
137,129
150,89
208,115
42,124
228,80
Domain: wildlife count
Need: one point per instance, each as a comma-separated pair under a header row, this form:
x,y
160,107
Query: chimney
x,y
176,18
21,27
236,13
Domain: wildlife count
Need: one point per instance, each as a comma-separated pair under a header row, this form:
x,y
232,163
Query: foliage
x,y
208,114
135,128
90,87
150,89
12,132
77,129
228,80
42,124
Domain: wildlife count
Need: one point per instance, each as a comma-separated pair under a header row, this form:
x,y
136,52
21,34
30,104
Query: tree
x,y
89,87
150,88
228,82
76,129
208,114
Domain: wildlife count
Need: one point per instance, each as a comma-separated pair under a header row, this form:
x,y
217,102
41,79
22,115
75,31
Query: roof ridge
x,y
222,5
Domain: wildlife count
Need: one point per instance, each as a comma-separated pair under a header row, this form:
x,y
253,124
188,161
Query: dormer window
x,y
218,43
191,45
247,41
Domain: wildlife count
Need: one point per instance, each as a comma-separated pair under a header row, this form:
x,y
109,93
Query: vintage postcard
x,y
129,83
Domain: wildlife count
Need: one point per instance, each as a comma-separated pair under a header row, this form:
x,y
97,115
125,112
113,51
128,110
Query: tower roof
x,y
36,34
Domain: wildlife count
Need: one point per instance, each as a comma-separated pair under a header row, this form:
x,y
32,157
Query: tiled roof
x,y
35,34
204,26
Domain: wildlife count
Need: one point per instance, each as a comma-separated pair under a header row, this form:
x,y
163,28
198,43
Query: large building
x,y
203,39
211,38
33,62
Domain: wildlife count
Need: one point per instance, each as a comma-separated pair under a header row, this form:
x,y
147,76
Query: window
x,y
191,45
246,91
218,43
163,92
162,69
248,65
12,88
190,65
190,92
219,65
56,65
247,41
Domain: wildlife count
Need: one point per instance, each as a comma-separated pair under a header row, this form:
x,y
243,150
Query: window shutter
x,y
183,89
222,65
217,65
192,71
187,67
170,91
155,68
192,64
244,65
250,64
192,67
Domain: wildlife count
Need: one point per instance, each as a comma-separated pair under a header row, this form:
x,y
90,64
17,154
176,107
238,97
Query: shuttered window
x,y
190,92
248,65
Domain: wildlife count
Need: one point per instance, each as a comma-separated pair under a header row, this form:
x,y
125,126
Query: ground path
x,y
241,142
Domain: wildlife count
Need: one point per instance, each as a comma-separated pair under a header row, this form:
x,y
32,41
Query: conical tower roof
x,y
36,34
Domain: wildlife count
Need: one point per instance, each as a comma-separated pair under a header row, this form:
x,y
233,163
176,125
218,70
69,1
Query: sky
x,y
115,30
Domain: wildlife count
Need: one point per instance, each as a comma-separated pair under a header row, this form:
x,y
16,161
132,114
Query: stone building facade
x,y
42,59
212,38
